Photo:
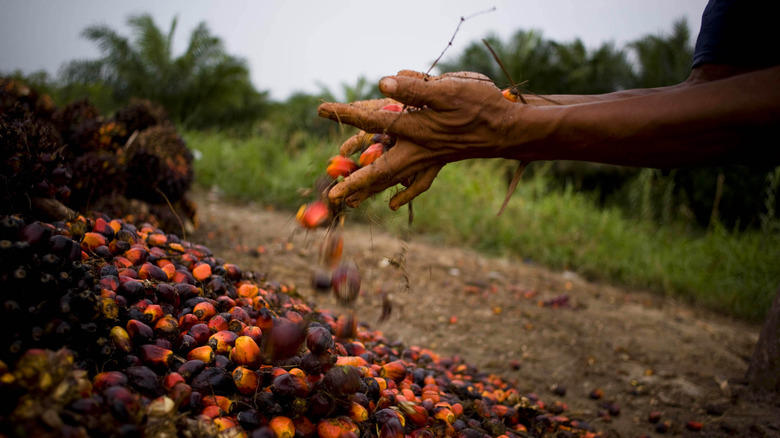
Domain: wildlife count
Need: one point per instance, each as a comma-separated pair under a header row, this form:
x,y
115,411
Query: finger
x,y
422,182
368,120
356,143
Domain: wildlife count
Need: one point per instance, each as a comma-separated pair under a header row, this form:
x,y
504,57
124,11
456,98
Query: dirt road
x,y
553,333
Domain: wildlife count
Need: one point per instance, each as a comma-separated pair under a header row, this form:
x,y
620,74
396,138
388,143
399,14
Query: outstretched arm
x,y
714,117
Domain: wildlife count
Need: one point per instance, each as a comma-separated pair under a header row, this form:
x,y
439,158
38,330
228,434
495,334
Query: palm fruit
x,y
155,340
340,166
139,115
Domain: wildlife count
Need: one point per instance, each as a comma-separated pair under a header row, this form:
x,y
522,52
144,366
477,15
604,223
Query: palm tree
x,y
664,60
203,86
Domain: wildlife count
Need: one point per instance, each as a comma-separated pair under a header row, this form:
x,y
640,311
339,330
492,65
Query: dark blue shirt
x,y
743,33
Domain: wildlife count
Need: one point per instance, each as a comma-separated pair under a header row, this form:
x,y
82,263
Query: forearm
x,y
706,123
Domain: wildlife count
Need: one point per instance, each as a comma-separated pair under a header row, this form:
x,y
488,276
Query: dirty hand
x,y
449,118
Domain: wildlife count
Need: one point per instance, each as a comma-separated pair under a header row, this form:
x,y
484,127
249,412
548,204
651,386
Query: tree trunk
x,y
764,371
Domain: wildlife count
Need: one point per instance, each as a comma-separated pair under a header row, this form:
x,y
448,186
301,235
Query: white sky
x,y
295,45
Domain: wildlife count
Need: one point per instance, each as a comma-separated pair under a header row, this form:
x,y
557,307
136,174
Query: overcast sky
x,y
295,45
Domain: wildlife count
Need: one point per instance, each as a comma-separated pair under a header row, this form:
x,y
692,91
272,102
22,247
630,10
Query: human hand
x,y
449,118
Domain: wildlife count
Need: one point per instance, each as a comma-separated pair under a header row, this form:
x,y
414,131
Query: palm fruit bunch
x,y
32,163
115,329
58,162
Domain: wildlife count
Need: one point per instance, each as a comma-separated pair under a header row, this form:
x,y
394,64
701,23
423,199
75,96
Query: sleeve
x,y
739,32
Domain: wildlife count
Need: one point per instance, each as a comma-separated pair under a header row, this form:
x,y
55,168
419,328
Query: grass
x,y
734,273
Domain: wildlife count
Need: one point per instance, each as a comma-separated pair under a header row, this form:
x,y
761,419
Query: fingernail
x,y
388,85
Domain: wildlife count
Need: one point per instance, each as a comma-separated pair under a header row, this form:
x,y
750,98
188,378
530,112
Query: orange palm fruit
x,y
203,353
224,423
371,154
156,239
222,341
282,426
204,310
355,361
337,427
247,381
340,166
153,313
137,255
395,370
247,290
218,323
510,95
246,352
240,314
91,241
201,271
357,412
167,328
224,403
313,215
443,413
211,412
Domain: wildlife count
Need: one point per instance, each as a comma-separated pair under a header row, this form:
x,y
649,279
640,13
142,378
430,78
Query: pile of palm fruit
x,y
116,327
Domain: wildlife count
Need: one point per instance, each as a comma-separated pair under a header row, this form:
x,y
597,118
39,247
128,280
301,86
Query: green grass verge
x,y
733,273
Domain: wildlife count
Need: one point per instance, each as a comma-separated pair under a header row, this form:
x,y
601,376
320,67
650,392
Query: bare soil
x,y
643,351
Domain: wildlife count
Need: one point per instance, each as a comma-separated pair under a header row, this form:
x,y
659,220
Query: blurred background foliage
x,y
254,148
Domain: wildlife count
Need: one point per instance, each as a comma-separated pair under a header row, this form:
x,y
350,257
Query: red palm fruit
x,y
139,332
340,166
346,282
180,393
332,248
247,290
121,262
247,381
156,357
91,241
156,239
395,370
694,426
357,412
393,107
203,353
224,403
443,413
222,341
107,379
200,332
172,379
264,318
240,314
232,271
137,255
246,352
313,215
282,426
218,323
253,332
415,413
121,339
319,340
201,271
286,338
355,361
204,310
304,426
211,412
153,313
236,326
149,271
371,154
337,427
